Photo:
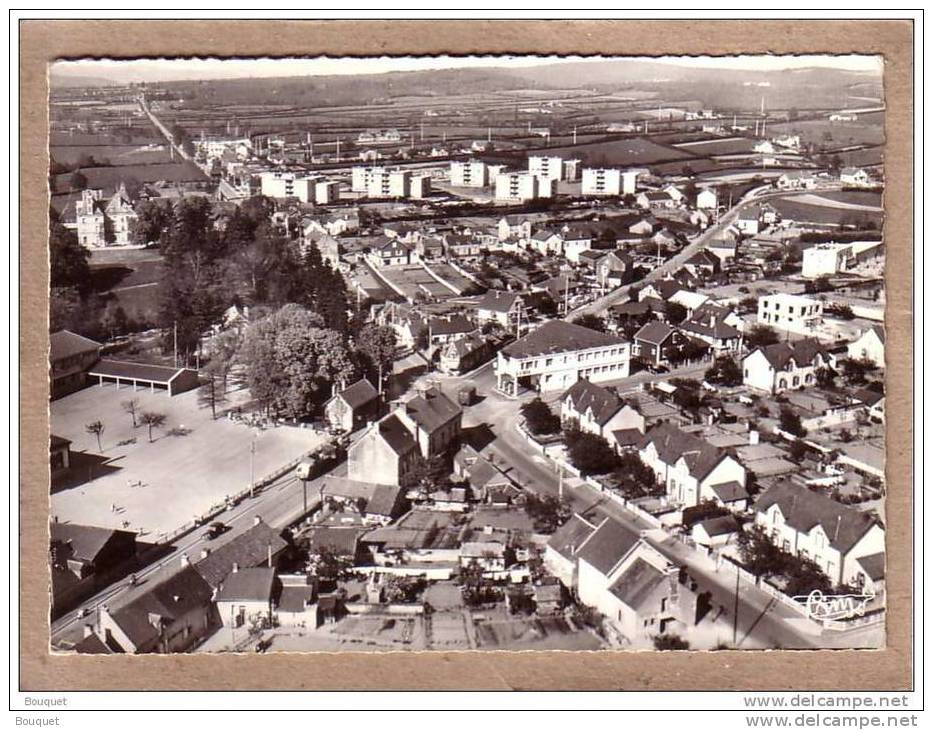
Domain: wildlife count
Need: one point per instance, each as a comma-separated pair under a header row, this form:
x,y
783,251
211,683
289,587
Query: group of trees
x,y
589,453
763,558
547,512
724,371
761,335
150,419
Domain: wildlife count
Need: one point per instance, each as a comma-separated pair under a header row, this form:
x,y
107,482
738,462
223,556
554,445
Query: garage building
x,y
142,375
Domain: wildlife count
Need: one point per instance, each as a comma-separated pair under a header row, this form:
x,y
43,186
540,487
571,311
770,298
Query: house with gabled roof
x,y
170,616
693,470
654,342
869,346
502,307
424,426
846,542
784,365
353,406
514,227
715,325
99,222
598,410
386,251
70,358
547,242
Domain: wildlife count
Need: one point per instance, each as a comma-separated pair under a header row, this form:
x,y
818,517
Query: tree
x,y
68,259
291,361
96,428
724,371
789,421
152,420
64,308
758,553
131,406
591,321
855,370
377,345
114,320
153,217
542,302
798,451
211,393
760,335
539,418
674,312
547,512
819,285
78,180
328,565
589,453
427,474
635,478
825,378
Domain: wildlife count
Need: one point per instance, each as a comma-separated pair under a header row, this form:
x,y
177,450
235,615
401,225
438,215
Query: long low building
x,y
142,375
558,354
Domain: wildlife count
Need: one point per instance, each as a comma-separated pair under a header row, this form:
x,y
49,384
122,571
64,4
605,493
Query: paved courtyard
x,y
156,487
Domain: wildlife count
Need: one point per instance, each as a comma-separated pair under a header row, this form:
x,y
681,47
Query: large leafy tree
x,y
291,361
539,418
68,259
377,346
724,371
589,453
153,217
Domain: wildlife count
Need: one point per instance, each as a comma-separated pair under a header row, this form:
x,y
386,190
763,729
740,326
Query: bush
x,y
670,642
789,421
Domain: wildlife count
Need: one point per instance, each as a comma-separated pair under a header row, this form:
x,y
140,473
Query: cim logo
x,y
835,607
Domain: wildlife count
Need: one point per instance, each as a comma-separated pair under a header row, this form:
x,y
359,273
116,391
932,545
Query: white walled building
x,y
548,168
519,187
790,312
707,200
384,183
420,186
608,181
557,354
326,192
469,174
783,366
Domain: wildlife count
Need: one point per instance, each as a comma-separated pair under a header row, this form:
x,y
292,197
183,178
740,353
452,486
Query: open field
x,y
534,633
110,177
118,155
842,199
732,146
853,197
412,279
792,209
623,152
814,131
866,157
180,476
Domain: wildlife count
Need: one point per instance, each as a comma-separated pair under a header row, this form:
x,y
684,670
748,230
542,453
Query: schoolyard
x,y
192,463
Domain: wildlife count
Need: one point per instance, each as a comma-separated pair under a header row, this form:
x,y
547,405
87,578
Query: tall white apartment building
x,y
607,181
287,185
517,186
326,192
571,170
421,186
385,183
469,174
548,168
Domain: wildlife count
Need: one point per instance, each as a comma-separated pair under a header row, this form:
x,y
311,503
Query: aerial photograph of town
x,y
466,354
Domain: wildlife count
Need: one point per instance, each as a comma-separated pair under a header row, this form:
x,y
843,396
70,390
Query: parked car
x,y
215,530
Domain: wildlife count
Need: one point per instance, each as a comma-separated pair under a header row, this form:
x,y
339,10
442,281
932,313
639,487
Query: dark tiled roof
x,y
638,583
294,599
655,332
169,600
724,525
497,301
452,325
866,396
249,584
248,550
384,500
339,540
66,344
672,444
396,435
92,645
432,409
86,541
359,394
627,436
584,395
803,352
710,320
730,491
803,510
57,442
568,538
135,370
873,565
879,330
558,336
608,545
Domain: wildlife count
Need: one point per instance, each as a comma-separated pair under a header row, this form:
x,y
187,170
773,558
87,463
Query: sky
x,y
121,71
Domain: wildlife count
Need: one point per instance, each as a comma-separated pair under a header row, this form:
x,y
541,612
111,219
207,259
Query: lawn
x,y
732,146
158,486
840,133
110,177
118,155
790,209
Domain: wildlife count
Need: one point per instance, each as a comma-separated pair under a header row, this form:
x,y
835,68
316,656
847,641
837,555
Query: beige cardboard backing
x,y
43,41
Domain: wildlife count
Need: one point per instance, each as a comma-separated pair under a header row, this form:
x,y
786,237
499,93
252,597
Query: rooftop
x,y
64,343
249,584
558,336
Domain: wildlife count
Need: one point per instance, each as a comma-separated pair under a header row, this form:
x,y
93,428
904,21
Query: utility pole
x,y
735,611
252,454
175,342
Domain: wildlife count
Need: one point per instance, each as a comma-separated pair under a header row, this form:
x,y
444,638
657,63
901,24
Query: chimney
x,y
269,555
184,560
235,568
205,552
88,630
753,437
257,520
